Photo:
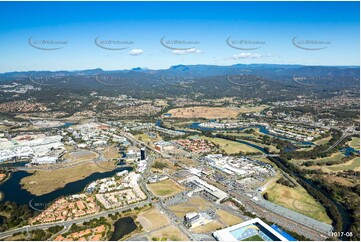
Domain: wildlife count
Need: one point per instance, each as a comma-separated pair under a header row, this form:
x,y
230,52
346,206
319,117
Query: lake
x,y
14,192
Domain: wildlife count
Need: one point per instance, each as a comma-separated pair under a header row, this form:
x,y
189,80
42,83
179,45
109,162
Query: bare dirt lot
x,y
211,112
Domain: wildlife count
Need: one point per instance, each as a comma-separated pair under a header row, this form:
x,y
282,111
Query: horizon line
x,y
145,68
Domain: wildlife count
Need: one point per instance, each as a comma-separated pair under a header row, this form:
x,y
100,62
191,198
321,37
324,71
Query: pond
x,y
122,227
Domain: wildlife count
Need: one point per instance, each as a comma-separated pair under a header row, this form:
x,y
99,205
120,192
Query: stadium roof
x,y
243,231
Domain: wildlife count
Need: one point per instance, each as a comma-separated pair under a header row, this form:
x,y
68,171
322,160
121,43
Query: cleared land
x,y
81,155
45,181
152,219
110,152
193,204
181,209
209,227
212,112
231,147
165,188
169,233
199,202
227,218
299,200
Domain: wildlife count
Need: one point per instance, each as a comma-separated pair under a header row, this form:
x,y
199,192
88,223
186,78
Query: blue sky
x,y
260,32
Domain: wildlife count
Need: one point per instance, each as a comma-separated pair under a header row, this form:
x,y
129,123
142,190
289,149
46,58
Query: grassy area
x,y
199,202
169,233
209,227
299,200
170,167
45,181
152,219
254,238
188,162
231,147
333,157
349,165
323,141
349,182
228,218
146,139
355,143
110,152
181,209
80,155
194,204
165,188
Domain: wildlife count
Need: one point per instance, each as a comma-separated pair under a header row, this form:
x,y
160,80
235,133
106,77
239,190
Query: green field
x,y
323,141
352,164
355,143
299,200
254,238
165,188
334,157
231,147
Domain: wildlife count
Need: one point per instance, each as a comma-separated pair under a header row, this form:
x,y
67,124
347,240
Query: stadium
x,y
252,230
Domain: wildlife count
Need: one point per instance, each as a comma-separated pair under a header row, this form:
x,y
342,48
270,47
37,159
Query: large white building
x,y
208,190
29,146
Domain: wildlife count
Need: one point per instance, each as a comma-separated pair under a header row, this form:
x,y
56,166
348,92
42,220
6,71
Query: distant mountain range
x,y
253,80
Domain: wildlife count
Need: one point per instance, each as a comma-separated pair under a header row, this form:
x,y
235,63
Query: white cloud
x,y
187,51
246,56
136,52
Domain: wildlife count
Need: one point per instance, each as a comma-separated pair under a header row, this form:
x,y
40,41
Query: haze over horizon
x,y
166,68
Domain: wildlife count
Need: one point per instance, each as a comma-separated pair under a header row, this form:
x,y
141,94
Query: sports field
x,y
254,238
165,188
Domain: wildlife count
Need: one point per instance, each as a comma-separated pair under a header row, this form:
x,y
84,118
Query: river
x,y
346,218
